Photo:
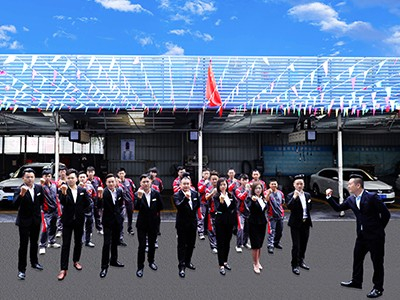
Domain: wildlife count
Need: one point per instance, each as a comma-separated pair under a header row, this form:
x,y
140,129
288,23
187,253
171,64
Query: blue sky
x,y
201,27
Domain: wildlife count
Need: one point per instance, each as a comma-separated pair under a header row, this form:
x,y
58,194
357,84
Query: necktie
x,y
358,200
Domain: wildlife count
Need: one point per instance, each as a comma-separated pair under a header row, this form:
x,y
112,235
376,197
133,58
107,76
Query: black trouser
x,y
121,225
89,223
151,235
376,247
111,239
49,234
77,229
28,234
129,213
97,212
224,235
299,239
186,242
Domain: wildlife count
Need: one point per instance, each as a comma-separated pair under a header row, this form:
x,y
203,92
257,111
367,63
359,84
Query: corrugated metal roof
x,y
353,85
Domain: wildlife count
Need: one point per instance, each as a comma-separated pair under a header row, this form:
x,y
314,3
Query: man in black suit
x,y
111,201
148,203
187,202
28,198
75,201
372,217
299,203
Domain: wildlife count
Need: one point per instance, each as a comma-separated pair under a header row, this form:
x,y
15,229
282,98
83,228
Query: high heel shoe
x,y
256,269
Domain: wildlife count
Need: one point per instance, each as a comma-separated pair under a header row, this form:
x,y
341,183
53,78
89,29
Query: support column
x,y
200,146
340,160
57,145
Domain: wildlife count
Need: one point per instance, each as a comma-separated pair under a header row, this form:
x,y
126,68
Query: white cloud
x,y
15,45
63,34
26,29
339,44
323,16
233,18
165,4
178,31
204,36
199,7
179,17
173,49
122,5
343,3
144,41
87,19
59,17
218,22
336,53
394,39
5,39
81,19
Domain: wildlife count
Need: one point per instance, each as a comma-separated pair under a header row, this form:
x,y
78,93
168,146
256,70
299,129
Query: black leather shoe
x,y
296,270
182,273
153,266
191,266
21,275
122,243
351,284
117,264
270,250
139,273
374,293
304,266
103,273
278,246
227,266
37,266
222,271
131,232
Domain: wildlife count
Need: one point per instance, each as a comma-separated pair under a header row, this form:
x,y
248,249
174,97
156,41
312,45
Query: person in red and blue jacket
x,y
202,216
241,193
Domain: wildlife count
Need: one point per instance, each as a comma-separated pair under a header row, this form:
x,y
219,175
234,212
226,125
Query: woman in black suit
x,y
225,220
257,205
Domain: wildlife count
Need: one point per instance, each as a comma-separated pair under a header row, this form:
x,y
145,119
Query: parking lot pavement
x,y
329,255
320,211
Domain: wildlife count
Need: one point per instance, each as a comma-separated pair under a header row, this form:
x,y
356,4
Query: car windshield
x,y
365,175
38,172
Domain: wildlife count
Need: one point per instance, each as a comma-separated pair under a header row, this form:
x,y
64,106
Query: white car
x,y
8,186
328,178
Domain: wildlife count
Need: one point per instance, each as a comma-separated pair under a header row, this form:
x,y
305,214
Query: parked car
x,y
328,178
8,186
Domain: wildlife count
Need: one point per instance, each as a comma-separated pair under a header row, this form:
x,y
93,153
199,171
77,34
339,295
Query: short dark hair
x,y
243,176
214,173
255,170
90,168
272,180
206,169
180,168
146,175
62,167
70,171
153,170
358,179
121,169
46,172
186,175
298,176
109,175
28,170
82,173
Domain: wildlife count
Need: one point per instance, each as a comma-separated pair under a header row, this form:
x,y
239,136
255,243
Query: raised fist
x,y
328,192
64,188
24,189
140,193
100,192
42,181
221,198
254,198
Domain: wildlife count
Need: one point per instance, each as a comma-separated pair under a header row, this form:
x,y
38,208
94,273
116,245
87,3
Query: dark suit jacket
x,y
29,212
226,215
74,212
257,215
111,211
372,217
148,217
186,216
296,210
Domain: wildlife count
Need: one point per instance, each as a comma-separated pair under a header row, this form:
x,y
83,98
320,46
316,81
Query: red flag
x,y
211,89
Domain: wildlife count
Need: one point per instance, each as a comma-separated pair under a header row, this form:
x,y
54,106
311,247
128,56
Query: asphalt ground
x,y
329,255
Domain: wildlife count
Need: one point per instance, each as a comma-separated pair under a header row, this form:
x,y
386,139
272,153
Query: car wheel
x,y
315,190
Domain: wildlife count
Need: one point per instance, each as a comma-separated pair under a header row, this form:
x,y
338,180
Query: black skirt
x,y
257,235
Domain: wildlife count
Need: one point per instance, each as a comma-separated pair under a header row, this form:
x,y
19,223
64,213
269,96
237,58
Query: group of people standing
x,y
219,207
